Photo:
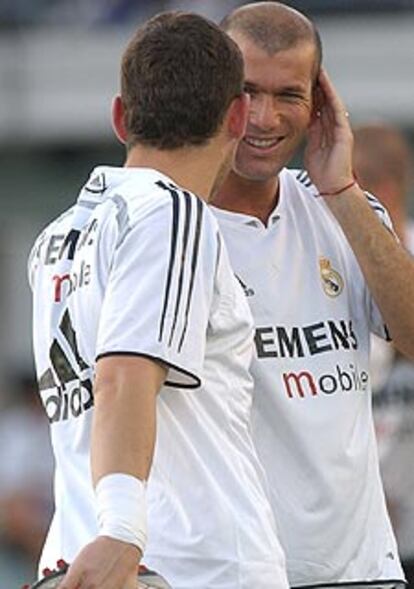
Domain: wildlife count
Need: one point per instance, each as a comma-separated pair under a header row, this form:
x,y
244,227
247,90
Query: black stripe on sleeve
x,y
173,248
194,260
375,203
304,179
182,266
196,382
372,198
377,208
381,212
301,175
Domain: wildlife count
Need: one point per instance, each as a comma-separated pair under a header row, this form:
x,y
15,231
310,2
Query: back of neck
x,y
193,168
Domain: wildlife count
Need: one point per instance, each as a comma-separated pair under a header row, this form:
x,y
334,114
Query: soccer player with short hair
x,y
143,337
321,269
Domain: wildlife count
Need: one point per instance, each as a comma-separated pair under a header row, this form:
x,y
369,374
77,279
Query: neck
x,y
194,168
250,197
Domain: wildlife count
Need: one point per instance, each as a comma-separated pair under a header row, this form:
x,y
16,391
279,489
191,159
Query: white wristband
x,y
121,508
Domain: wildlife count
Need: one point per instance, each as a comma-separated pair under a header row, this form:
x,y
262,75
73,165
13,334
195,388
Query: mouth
x,y
261,144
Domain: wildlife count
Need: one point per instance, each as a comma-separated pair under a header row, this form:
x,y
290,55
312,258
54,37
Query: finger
x,y
320,101
324,114
329,114
326,127
72,579
317,102
117,581
132,583
333,99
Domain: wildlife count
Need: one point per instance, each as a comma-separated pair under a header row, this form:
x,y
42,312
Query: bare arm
x,y
123,436
388,269
123,431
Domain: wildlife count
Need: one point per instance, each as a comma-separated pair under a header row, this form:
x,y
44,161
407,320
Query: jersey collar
x,y
250,220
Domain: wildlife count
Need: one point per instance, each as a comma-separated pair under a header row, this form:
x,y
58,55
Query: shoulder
x,y
301,191
158,210
152,194
189,216
57,227
299,180
300,177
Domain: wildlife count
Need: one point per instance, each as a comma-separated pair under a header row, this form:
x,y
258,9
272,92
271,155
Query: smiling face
x,y
280,86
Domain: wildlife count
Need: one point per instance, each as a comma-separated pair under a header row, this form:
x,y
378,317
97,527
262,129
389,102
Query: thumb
x,y
132,581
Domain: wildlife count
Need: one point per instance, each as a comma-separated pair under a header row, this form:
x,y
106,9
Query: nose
x,y
263,112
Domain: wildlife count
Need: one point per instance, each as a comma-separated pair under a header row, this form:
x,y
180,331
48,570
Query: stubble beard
x,y
255,171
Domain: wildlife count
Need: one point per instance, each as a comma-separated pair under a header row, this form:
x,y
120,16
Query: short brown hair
x,y
274,27
382,151
179,74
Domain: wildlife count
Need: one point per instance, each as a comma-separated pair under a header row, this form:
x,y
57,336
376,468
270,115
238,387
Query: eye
x,y
293,96
251,90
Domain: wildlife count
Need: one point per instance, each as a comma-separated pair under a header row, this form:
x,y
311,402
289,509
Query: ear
x,y
118,120
238,115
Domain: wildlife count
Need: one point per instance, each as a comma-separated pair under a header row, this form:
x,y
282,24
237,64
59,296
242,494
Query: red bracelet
x,y
336,192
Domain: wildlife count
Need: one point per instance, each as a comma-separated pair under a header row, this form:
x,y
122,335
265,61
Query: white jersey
x,y
312,416
138,267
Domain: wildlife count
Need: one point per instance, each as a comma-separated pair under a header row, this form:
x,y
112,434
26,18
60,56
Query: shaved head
x,y
274,27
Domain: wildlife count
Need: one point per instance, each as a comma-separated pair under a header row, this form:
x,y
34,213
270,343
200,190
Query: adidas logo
x,y
97,184
248,291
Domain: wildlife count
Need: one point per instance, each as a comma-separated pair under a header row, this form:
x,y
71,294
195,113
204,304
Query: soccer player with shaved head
x,y
321,270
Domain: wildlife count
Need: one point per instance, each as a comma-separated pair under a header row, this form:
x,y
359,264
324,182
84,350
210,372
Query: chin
x,y
257,173
257,169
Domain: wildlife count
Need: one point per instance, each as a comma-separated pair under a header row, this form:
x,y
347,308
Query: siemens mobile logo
x,y
307,341
341,379
63,247
65,284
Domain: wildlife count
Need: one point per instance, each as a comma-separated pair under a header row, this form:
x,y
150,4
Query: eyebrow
x,y
253,86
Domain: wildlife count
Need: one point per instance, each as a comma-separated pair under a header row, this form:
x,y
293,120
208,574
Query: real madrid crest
x,y
332,281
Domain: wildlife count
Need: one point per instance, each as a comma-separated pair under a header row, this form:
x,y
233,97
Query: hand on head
x,y
328,154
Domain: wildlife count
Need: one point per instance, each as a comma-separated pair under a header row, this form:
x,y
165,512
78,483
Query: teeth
x,y
264,143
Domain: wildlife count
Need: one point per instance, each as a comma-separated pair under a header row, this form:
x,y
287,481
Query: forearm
x,y
123,435
388,269
124,422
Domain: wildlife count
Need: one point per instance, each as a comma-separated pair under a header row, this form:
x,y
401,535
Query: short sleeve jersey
x,y
138,267
312,416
